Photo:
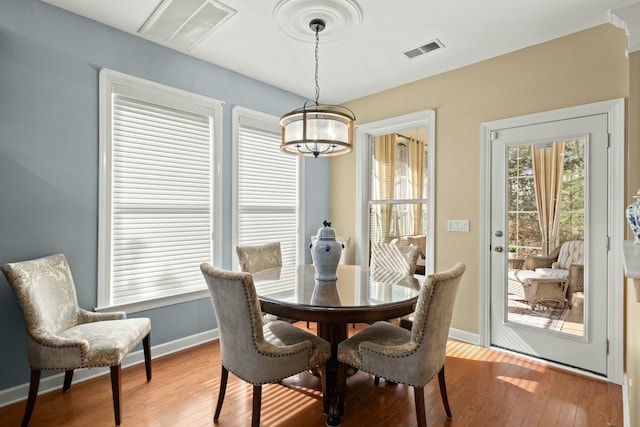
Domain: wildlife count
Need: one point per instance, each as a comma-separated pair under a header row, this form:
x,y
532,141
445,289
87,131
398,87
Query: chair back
x,y
237,309
432,318
400,258
571,252
46,293
254,258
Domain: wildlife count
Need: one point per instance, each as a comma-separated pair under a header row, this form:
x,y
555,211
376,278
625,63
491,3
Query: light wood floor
x,y
486,388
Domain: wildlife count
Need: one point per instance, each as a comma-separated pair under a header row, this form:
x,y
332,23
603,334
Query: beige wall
x,y
632,317
581,68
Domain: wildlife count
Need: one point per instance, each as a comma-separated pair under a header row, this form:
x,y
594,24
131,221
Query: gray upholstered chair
x,y
63,336
257,353
395,257
254,258
414,356
398,256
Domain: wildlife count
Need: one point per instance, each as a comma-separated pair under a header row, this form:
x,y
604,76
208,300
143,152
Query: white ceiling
x,y
369,57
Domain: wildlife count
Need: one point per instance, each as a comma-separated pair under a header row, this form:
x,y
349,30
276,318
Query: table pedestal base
x,y
335,374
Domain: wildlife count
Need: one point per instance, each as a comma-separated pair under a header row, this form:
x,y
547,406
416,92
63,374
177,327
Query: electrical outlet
x,y
458,225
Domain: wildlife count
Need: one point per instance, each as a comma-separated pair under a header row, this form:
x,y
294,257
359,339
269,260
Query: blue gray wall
x,y
49,62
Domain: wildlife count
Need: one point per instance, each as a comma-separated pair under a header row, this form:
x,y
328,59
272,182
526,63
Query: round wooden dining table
x,y
360,295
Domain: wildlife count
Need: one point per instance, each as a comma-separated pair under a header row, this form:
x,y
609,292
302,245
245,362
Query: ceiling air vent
x,y
182,24
421,50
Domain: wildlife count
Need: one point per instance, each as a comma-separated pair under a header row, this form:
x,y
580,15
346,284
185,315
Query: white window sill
x,y
156,303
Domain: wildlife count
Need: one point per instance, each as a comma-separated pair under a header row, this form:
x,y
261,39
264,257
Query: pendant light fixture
x,y
317,129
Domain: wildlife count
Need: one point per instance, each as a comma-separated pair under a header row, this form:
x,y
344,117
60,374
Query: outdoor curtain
x,y
547,176
384,166
416,162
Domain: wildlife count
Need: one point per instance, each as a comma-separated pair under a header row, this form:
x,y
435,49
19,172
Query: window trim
x,y
364,135
237,114
108,79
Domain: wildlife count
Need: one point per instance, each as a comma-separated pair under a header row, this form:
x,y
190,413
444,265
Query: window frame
x,y
265,122
110,83
364,137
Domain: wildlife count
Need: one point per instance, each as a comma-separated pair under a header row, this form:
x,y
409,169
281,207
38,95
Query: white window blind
x,y
157,192
267,185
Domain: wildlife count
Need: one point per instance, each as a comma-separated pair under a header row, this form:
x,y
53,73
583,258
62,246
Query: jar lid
x,y
326,232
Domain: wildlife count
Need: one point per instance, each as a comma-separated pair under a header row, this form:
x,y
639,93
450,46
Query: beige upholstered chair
x,y
402,258
63,336
254,258
257,353
397,256
415,356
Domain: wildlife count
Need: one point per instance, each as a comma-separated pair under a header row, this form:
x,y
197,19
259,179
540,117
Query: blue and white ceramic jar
x,y
325,253
633,216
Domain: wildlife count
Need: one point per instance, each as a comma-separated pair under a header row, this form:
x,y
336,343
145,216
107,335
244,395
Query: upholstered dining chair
x,y
395,257
414,356
399,257
255,352
63,336
252,258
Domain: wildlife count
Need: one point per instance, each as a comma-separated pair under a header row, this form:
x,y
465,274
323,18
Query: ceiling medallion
x,y
340,17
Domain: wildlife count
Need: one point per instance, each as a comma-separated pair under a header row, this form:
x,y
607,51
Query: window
x,y
157,192
266,185
525,230
399,178
395,184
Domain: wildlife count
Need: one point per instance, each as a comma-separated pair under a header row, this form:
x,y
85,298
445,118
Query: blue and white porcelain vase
x,y
325,253
633,216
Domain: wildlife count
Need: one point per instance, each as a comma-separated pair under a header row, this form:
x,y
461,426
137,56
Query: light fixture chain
x,y
317,56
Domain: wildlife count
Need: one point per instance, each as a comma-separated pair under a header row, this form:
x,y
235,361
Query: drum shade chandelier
x,y
317,129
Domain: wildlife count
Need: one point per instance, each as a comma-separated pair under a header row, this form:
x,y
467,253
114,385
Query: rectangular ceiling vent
x,y
425,48
182,24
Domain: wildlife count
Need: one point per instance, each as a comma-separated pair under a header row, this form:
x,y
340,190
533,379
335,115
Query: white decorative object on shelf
x,y
325,253
631,259
633,217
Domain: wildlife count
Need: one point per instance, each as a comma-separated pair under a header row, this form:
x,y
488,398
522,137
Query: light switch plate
x,y
458,225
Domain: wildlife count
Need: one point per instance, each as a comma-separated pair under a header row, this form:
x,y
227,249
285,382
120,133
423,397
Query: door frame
x,y
615,109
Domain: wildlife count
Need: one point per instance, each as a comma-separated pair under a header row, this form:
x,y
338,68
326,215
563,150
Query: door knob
x,y
498,249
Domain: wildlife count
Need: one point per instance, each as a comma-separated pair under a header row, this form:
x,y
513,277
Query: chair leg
x,y
68,376
33,394
443,391
116,389
257,399
223,387
418,395
146,345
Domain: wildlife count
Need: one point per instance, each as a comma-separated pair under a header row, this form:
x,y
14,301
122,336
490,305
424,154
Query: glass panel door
x,y
546,194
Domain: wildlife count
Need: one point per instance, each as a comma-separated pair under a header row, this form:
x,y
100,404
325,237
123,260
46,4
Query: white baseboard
x,y
468,337
626,415
53,382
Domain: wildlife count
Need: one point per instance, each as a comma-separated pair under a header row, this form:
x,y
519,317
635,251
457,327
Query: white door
x,y
567,330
